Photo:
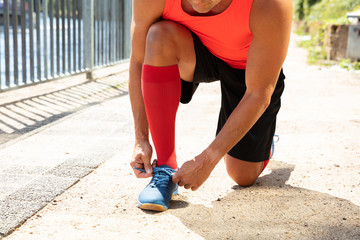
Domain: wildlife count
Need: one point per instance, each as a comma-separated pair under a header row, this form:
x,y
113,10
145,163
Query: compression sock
x,y
266,162
161,91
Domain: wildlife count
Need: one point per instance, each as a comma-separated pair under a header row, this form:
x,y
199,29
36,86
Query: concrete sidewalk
x,y
51,136
311,189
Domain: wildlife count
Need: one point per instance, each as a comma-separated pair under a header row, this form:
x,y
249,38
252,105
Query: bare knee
x,y
242,179
243,173
161,44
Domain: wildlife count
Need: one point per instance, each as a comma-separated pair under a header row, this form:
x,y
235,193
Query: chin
x,y
201,10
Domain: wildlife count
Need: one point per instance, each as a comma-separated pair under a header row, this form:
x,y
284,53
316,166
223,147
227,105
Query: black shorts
x,y
255,145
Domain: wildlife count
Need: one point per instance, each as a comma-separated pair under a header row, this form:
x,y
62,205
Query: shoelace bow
x,y
161,177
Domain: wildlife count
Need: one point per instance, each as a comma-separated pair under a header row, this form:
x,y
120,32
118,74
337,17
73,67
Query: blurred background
x,y
330,31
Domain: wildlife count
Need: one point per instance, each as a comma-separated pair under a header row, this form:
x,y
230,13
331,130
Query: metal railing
x,y
50,39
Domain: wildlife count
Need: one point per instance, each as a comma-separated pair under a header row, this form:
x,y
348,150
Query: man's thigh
x,y
256,144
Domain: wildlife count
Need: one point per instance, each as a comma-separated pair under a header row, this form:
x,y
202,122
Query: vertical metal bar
x,y
31,35
99,33
116,10
1,79
45,39
63,56
113,50
14,17
74,34
93,33
79,33
97,57
38,40
116,16
52,63
119,29
102,34
69,35
110,10
7,43
95,40
23,41
88,17
123,31
111,31
127,22
106,22
57,37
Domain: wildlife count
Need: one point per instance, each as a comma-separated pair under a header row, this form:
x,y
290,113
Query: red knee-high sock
x,y
161,88
266,162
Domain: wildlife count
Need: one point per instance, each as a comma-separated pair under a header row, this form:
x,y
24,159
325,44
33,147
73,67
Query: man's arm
x,y
145,13
270,23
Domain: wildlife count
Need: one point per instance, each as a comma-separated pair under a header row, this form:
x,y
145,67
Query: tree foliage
x,y
331,10
302,8
323,10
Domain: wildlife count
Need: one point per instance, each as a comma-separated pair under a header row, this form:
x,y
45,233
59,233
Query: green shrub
x,y
349,65
302,8
346,64
332,10
315,45
356,65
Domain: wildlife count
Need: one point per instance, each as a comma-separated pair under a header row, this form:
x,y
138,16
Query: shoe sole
x,y
153,207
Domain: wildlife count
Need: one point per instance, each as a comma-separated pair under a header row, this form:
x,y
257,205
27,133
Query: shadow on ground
x,y
26,115
273,210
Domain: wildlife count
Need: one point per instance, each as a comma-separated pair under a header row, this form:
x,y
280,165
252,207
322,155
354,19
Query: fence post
x,y
88,28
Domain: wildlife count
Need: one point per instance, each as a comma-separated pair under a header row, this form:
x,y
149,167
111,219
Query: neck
x,y
219,8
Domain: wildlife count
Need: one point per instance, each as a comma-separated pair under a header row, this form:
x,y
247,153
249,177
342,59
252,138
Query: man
x,y
176,44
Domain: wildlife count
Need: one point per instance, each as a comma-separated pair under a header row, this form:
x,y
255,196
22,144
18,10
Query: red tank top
x,y
227,35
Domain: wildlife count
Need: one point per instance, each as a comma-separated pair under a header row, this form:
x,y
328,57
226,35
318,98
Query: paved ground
x,y
311,189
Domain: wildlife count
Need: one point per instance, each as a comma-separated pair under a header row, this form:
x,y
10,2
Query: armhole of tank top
x,y
251,4
169,4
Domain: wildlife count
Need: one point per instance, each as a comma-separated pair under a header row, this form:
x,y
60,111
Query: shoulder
x,y
271,6
145,10
270,13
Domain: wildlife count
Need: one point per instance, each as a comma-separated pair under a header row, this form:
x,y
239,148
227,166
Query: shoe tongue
x,y
164,166
162,177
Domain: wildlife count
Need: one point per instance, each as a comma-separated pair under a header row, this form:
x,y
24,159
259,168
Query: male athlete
x,y
176,44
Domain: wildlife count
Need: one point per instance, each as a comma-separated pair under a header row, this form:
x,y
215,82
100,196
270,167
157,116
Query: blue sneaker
x,y
157,194
275,140
272,150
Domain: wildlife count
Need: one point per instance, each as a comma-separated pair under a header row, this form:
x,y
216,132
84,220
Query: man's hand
x,y
142,159
194,173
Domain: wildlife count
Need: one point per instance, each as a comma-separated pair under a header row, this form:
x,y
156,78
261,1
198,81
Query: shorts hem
x,y
256,157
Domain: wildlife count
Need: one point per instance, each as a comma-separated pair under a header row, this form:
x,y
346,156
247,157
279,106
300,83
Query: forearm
x,y
137,104
244,116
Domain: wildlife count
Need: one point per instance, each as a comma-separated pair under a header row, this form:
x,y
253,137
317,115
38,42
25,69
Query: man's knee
x,y
160,38
242,177
244,181
243,173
